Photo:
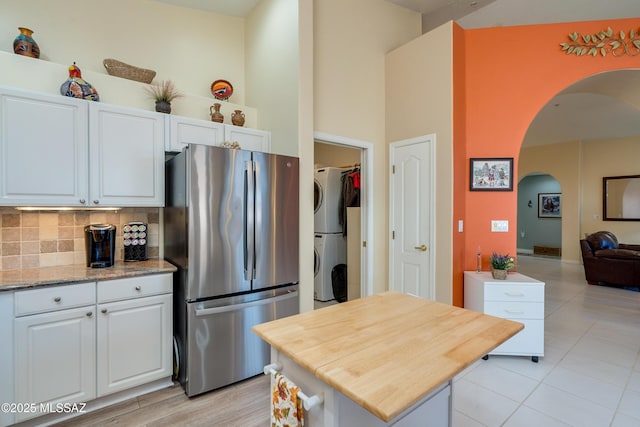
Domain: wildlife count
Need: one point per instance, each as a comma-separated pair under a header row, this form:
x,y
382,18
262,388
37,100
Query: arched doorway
x,y
539,216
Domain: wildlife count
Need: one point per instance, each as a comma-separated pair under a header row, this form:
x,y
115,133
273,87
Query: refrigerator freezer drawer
x,y
222,349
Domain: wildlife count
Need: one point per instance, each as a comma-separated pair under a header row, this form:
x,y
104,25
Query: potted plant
x,y
500,264
163,94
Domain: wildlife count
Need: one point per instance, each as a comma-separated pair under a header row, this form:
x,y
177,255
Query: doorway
x,y
539,216
348,159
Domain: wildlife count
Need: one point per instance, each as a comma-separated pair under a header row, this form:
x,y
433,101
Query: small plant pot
x,y
163,107
499,274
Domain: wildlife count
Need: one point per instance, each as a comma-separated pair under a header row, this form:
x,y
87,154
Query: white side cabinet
x,y
60,151
185,130
55,346
249,139
135,332
519,298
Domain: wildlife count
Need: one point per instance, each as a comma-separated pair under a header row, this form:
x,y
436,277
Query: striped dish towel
x,y
286,407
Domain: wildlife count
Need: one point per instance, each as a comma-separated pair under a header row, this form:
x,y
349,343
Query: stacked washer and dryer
x,y
330,244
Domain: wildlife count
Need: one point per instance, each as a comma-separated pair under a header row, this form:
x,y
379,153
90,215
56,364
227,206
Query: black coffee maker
x,y
100,243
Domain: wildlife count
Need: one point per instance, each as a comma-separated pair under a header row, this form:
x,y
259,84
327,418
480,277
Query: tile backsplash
x,y
31,239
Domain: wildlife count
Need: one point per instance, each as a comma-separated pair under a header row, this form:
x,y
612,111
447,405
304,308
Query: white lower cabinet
x,y
129,356
55,346
76,343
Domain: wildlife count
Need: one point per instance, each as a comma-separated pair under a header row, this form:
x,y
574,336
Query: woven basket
x,y
126,71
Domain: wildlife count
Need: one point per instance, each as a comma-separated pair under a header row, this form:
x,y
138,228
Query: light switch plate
x,y
460,226
499,226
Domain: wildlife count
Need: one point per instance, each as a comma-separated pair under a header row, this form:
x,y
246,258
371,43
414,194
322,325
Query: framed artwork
x,y
549,205
491,174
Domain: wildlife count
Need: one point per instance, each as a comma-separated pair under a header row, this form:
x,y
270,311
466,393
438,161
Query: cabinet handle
x,y
96,202
138,288
514,294
104,311
83,201
90,313
513,311
57,299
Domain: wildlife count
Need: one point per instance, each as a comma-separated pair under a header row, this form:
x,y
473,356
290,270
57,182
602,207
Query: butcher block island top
x,y
387,351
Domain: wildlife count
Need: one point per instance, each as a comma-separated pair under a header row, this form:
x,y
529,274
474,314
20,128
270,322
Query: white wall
x,y
419,91
351,40
272,80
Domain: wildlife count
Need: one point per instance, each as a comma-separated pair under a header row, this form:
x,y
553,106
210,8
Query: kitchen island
x,y
388,359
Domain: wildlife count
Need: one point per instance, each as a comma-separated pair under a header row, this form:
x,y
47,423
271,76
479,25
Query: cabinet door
x,y
184,130
55,357
249,139
134,342
43,150
126,149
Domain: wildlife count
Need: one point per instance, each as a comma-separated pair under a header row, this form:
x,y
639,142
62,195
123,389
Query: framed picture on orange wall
x,y
491,174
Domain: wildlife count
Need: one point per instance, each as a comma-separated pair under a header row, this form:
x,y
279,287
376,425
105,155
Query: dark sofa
x,y
606,261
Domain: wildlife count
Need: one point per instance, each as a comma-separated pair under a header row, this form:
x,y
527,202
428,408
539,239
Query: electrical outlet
x,y
499,226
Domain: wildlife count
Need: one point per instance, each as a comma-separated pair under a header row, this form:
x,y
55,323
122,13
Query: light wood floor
x,y
245,404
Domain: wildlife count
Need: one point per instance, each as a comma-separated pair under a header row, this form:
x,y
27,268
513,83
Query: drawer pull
x,y
89,313
514,294
57,299
104,311
138,288
513,311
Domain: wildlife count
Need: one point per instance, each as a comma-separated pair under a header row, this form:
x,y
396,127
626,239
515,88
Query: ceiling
x,y
605,106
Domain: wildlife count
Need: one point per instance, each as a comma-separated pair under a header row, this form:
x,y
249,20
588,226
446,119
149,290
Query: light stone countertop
x,y
12,280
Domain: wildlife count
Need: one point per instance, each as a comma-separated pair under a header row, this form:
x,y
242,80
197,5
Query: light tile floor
x,y
590,374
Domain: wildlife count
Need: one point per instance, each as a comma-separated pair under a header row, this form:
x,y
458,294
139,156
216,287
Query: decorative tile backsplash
x,y
48,238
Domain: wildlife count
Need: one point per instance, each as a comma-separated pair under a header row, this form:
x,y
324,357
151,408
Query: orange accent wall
x,y
510,73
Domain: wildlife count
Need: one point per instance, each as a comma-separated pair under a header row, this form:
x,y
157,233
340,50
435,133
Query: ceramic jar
x,y
216,115
237,118
25,45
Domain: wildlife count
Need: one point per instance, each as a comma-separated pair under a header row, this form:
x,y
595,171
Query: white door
x,y
411,254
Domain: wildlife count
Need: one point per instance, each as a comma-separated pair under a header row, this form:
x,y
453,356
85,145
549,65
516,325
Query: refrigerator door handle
x,y
234,307
258,215
249,218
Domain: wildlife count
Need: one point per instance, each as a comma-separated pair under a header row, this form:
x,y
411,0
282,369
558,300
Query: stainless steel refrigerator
x,y
231,229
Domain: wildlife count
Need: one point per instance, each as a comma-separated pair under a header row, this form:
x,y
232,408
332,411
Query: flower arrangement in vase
x,y
163,94
500,264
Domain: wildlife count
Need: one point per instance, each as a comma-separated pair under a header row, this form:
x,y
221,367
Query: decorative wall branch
x,y
602,43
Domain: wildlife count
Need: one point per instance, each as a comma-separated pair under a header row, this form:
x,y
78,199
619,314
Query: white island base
x,y
335,409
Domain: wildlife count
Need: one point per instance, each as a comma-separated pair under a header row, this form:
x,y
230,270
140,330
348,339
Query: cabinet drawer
x,y
53,298
527,342
514,292
515,310
134,287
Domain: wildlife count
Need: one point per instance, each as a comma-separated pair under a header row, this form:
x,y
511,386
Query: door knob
x,y
421,247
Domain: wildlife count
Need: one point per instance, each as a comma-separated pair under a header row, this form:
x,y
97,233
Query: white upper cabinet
x,y
249,139
43,149
59,151
184,130
126,148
